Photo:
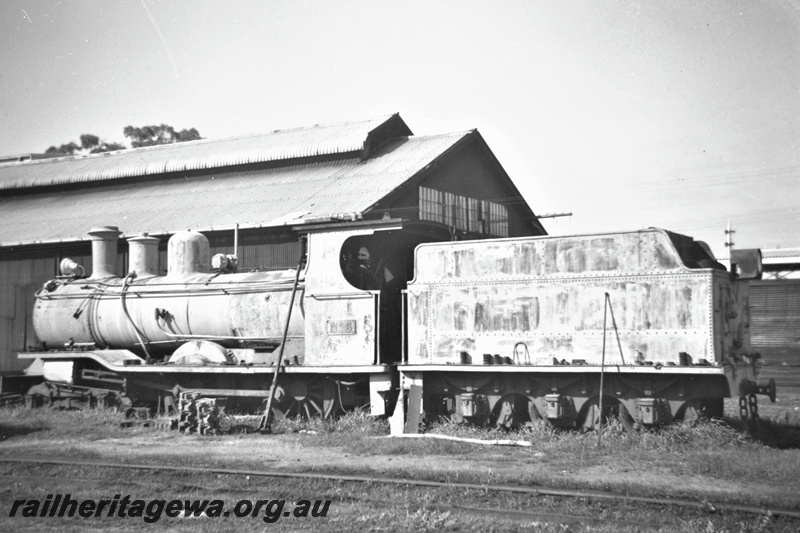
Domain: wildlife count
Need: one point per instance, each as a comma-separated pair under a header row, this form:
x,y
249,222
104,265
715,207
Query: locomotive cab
x,y
354,282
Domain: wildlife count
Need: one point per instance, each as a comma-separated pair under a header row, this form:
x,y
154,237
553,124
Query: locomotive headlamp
x,y
68,267
224,262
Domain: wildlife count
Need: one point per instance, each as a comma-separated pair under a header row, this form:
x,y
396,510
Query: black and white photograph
x,y
379,265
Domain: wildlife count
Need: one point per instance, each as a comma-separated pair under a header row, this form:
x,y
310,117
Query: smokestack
x,y
104,252
143,255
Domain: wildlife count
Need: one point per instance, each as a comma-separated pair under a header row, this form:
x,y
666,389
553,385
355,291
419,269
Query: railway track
x,y
507,493
469,510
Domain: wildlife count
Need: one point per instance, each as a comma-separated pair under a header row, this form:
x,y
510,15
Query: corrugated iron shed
x,y
307,189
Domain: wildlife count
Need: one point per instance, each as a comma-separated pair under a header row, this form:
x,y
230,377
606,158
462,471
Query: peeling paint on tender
x,y
418,323
549,293
542,257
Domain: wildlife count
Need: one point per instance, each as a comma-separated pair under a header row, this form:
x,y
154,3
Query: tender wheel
x,y
695,409
510,412
589,415
691,412
533,412
626,419
307,398
713,407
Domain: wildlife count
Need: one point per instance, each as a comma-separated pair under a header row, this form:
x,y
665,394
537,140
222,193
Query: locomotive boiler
x,y
157,314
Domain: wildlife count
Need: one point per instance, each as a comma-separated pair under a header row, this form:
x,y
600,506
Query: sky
x,y
683,115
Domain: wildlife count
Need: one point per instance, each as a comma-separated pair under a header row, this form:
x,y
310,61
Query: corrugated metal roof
x,y
774,259
253,198
781,255
775,255
319,140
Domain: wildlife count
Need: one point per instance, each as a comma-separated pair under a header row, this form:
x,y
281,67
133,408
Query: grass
x,y
358,423
94,424
722,454
719,460
355,506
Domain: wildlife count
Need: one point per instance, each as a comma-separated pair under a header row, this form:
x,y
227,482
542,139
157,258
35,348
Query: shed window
x,y
463,213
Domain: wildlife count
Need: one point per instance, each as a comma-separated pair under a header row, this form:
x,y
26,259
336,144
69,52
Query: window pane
x,y
462,212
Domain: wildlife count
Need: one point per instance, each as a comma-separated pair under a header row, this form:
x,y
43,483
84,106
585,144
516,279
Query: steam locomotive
x,y
642,325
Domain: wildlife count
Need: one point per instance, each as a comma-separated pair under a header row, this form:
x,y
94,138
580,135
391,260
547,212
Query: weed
x,y
93,424
353,423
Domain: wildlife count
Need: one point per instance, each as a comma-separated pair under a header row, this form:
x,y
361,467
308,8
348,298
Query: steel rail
x,y
533,491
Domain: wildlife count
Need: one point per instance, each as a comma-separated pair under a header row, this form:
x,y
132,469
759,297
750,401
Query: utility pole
x,y
728,233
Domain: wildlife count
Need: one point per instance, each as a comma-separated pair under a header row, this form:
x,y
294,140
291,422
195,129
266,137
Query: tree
x,y
163,134
92,144
64,149
144,136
